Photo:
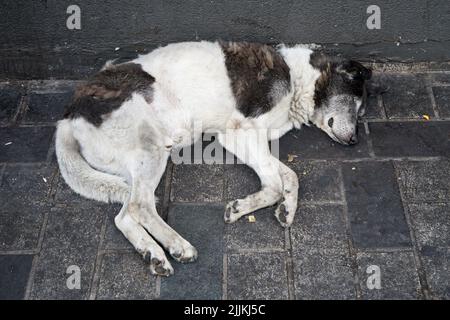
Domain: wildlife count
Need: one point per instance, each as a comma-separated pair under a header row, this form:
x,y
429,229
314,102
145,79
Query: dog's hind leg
x,y
146,171
252,148
143,242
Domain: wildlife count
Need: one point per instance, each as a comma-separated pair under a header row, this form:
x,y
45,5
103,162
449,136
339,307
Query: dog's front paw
x,y
285,213
232,212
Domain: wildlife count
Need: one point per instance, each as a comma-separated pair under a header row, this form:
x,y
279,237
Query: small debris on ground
x,y
291,157
426,117
45,180
251,218
8,143
353,168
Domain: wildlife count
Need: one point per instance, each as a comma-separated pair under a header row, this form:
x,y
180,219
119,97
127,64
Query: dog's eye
x,y
330,122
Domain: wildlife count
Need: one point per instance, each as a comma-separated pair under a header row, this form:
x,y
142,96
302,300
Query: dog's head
x,y
339,96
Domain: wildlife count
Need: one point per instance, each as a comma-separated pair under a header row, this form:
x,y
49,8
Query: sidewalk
x,y
383,202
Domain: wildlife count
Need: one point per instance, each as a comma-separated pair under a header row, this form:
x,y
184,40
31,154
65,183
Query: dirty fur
x,y
108,90
259,76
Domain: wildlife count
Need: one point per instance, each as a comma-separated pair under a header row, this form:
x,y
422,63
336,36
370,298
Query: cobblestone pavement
x,y
384,202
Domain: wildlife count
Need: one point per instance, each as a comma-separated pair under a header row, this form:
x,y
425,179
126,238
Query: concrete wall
x,y
37,44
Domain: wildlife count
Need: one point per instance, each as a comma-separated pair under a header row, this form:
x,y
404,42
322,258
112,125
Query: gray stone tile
x,y
442,98
28,144
26,186
431,223
258,276
24,200
50,277
401,139
197,183
46,107
323,274
265,233
424,180
114,239
319,227
374,205
126,276
240,181
14,272
71,238
203,227
398,274
436,262
407,97
19,228
9,102
318,181
312,143
373,109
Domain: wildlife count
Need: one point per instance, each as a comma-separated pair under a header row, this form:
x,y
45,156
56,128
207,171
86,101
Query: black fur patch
x,y
107,91
259,76
338,76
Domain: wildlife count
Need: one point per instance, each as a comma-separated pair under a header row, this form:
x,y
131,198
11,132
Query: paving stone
x,y
407,97
323,274
265,233
203,227
126,276
24,200
319,227
71,238
23,186
431,223
373,109
442,98
401,139
436,262
318,181
374,205
28,144
259,276
46,107
240,181
312,143
398,274
9,102
197,183
14,272
114,238
424,180
440,78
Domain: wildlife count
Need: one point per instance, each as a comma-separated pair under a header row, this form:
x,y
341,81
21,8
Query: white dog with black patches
x,y
117,134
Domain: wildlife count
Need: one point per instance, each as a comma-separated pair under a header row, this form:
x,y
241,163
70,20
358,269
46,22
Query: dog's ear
x,y
377,85
353,70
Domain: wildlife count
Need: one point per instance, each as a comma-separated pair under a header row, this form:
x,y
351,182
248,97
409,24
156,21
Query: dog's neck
x,y
303,81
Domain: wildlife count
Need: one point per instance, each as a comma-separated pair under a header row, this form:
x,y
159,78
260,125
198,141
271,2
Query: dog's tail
x,y
80,176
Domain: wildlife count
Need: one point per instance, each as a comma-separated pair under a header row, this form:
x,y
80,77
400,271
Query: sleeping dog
x,y
122,124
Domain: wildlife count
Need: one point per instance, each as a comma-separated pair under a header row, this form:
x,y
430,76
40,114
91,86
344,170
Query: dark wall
x,y
37,44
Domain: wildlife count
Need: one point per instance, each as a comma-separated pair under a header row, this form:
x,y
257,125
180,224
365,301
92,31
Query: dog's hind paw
x,y
159,265
184,255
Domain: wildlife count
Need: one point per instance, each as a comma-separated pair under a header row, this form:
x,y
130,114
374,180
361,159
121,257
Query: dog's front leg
x,y
252,148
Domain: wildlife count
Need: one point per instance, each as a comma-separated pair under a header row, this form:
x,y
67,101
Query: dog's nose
x,y
353,139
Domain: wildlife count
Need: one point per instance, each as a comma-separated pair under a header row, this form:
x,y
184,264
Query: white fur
x,y
124,158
